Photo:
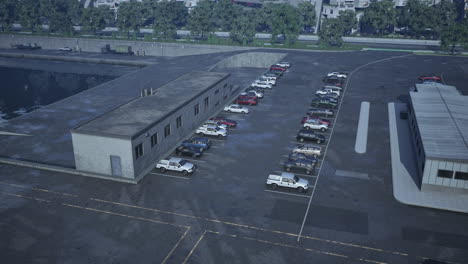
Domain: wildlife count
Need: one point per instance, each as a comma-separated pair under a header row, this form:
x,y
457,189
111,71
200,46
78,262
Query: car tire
x,y
274,186
307,171
301,139
163,169
220,136
244,112
229,111
201,149
288,169
178,153
307,128
315,155
194,155
300,189
185,173
319,141
323,129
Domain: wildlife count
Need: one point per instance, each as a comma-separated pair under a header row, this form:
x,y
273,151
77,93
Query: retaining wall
x,y
95,45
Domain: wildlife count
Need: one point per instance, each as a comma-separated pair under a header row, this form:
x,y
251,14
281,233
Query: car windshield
x,y
296,179
182,162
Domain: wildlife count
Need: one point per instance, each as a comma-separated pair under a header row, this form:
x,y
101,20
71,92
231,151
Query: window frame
x,y
138,151
154,139
179,122
167,130
441,172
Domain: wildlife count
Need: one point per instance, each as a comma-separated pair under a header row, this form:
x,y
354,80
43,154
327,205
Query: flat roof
x,y
135,117
442,117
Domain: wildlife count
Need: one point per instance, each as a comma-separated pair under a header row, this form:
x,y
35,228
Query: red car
x,y
277,67
321,120
225,121
246,100
423,79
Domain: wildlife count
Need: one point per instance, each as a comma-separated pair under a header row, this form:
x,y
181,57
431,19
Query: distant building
x,y
438,118
129,140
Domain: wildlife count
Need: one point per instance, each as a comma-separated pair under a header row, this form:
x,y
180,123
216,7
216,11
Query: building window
x,y
154,139
167,130
217,91
445,174
179,121
196,109
461,175
225,97
139,150
207,102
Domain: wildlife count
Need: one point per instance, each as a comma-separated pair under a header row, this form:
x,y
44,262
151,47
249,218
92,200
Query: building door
x,y
116,166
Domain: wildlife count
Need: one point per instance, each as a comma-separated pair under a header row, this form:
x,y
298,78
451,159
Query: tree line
x,y
283,21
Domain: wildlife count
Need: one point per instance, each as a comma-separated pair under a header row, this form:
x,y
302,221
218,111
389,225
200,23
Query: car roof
x,y
175,159
288,175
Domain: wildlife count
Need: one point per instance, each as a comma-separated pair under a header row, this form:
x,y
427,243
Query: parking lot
x,y
225,213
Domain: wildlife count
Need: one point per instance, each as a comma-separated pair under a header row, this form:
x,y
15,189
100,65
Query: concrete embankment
x,y
250,60
140,47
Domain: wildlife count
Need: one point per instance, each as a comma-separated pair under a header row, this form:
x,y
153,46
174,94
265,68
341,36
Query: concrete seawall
x,y
95,45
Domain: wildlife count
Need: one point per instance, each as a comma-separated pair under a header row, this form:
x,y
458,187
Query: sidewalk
x,y
405,184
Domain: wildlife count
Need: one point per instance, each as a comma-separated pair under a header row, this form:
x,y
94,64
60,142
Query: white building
x,y
438,118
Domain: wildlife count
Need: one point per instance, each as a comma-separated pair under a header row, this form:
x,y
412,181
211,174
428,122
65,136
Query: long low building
x,y
438,116
127,141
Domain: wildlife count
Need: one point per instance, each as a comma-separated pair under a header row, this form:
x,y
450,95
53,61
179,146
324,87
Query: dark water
x,y
22,91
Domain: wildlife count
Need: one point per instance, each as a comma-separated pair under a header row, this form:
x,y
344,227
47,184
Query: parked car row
x,y
304,157
219,126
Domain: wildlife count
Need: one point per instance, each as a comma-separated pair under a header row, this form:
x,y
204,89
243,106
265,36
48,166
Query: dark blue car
x,y
198,142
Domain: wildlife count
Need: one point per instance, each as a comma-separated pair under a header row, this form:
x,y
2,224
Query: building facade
x,y
439,126
129,140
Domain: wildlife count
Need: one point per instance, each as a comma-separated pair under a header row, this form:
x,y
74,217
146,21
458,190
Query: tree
x,y
331,32
263,17
95,19
167,16
444,16
7,14
243,29
29,14
455,34
130,16
286,21
61,15
225,12
349,20
201,19
379,18
308,16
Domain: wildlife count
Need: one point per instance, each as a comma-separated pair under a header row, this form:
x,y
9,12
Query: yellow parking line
x,y
36,189
27,197
194,247
175,246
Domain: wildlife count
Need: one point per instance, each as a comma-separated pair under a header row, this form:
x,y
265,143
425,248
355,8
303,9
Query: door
x,y
116,166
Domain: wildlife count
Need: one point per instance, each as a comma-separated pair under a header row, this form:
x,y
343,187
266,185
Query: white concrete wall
x,y
92,153
432,167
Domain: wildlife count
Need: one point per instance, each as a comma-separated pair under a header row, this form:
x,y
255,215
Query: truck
x,y
124,50
287,180
176,164
210,130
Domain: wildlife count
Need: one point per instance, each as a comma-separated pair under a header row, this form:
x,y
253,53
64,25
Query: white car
x,y
253,92
284,64
315,124
338,74
215,131
307,149
176,164
214,123
66,49
263,85
235,108
267,80
328,92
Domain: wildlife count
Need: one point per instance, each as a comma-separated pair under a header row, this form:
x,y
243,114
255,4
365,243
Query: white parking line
x,y
215,139
292,194
216,147
170,176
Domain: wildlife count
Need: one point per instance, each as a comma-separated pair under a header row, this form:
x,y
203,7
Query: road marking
x,y
123,215
216,147
331,134
204,153
26,197
215,139
292,194
176,245
363,128
170,176
352,174
36,189
194,247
